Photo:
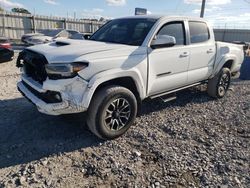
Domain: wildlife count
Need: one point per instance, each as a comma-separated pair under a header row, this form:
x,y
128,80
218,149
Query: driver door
x,y
168,66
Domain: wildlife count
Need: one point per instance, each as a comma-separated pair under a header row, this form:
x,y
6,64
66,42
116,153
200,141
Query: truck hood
x,y
71,50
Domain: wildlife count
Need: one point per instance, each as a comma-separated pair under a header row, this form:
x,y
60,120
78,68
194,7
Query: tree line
x,y
18,10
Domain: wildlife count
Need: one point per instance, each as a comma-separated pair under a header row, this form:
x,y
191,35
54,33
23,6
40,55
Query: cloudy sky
x,y
233,13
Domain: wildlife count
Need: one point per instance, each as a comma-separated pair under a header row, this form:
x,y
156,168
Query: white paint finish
x,y
198,75
107,61
202,59
228,52
35,85
123,58
76,51
72,93
50,109
134,73
164,61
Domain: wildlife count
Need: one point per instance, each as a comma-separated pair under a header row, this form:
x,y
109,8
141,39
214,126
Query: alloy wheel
x,y
117,114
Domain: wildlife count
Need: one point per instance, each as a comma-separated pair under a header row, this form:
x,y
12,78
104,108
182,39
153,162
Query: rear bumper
x,y
71,93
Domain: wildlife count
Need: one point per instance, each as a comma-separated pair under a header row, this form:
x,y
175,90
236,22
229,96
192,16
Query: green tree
x,y
102,19
20,10
1,9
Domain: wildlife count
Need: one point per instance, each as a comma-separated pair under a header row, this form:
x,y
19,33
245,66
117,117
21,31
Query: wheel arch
x,y
228,61
126,82
228,64
129,80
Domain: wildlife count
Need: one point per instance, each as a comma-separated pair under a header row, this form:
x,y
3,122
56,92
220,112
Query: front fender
x,y
105,76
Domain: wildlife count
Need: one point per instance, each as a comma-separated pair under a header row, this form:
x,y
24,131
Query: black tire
x,y
219,84
106,113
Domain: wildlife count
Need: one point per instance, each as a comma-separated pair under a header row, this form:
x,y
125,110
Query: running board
x,y
168,99
173,91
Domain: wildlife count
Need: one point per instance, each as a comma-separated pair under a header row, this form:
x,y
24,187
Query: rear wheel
x,y
112,111
218,85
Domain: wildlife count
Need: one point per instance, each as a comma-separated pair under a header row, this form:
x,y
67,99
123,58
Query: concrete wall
x,y
14,25
230,35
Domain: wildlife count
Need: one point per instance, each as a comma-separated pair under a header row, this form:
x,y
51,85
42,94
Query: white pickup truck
x,y
124,62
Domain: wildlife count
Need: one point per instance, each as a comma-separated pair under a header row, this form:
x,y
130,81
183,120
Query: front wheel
x,y
218,85
112,111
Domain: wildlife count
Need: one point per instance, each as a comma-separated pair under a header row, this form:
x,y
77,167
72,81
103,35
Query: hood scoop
x,y
60,43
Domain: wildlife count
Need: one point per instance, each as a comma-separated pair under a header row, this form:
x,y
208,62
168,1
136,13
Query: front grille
x,y
34,65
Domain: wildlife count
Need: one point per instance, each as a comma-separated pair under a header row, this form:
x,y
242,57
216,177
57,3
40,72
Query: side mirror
x,y
163,41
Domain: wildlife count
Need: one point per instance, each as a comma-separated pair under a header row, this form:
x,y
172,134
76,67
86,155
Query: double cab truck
x,y
126,61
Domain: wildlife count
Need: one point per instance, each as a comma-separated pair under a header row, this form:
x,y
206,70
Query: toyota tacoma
x,y
126,61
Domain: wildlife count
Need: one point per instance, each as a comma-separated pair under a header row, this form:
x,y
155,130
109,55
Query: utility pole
x,y
203,5
75,15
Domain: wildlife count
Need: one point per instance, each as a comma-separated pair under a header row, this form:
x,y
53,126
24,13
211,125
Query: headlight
x,y
64,70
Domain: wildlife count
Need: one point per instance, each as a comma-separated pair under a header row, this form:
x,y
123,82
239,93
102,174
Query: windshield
x,y
52,33
125,31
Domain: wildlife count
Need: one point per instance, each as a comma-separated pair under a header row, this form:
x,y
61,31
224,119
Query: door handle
x,y
184,54
210,51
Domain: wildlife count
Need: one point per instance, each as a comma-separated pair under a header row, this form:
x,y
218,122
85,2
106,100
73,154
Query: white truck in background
x,y
124,62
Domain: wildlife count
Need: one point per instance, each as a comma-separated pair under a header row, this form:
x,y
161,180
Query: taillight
x,y
6,45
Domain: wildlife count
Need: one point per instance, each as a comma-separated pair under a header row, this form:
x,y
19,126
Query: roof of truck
x,y
163,16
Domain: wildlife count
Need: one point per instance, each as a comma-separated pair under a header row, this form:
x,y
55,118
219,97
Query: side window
x,y
175,29
71,32
198,32
64,34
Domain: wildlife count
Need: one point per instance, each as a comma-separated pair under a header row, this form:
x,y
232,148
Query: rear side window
x,y
198,32
175,29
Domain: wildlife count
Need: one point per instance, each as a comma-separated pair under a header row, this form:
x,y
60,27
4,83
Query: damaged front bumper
x,y
55,97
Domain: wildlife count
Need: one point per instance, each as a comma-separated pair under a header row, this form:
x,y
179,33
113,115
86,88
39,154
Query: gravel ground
x,y
194,141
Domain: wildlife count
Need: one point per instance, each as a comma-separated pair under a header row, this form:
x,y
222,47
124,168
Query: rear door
x,y
168,66
202,51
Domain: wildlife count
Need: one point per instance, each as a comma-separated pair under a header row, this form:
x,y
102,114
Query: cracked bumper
x,y
71,91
